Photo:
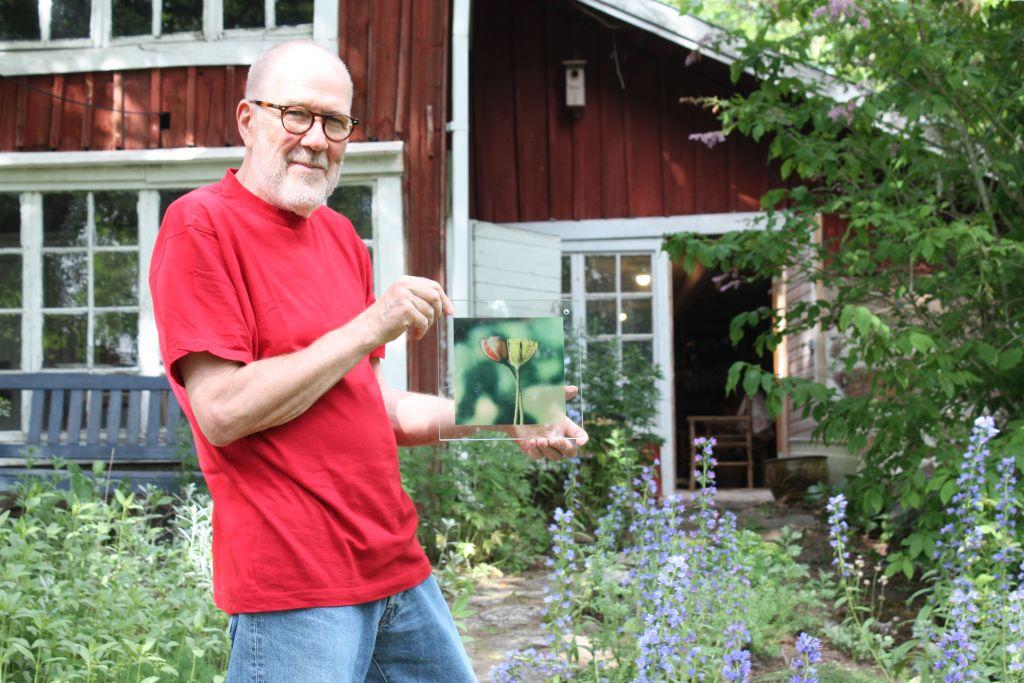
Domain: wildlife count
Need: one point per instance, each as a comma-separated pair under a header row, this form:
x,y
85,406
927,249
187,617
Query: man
x,y
271,337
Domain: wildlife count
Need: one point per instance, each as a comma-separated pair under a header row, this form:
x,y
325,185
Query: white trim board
x,y
213,46
165,168
650,227
666,22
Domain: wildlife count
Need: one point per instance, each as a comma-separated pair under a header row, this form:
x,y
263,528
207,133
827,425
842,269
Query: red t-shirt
x,y
310,513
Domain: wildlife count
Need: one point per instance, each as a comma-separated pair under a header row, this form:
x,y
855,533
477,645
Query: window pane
x,y
116,217
64,339
132,17
116,339
70,19
181,15
19,20
243,14
600,272
601,317
566,275
10,341
10,214
116,279
636,316
355,202
65,215
10,281
65,280
633,350
168,197
636,273
293,12
10,359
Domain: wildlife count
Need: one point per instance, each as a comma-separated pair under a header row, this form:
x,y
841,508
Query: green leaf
x,y
751,381
733,377
987,353
921,341
947,491
1010,358
873,501
908,568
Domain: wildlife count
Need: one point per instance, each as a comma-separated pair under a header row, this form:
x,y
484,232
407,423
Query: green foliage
x,y
924,288
480,494
93,589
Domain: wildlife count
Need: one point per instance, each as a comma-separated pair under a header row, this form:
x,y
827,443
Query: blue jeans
x,y
409,636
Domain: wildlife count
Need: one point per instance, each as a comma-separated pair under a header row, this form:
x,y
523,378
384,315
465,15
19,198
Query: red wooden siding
x,y
628,154
397,52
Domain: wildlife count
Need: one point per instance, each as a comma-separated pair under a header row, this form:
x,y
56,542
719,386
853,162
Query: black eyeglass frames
x,y
297,120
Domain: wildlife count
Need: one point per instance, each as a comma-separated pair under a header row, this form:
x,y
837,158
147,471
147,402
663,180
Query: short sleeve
x,y
196,301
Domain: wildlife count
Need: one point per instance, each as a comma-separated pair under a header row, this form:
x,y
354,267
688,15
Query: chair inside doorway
x,y
705,303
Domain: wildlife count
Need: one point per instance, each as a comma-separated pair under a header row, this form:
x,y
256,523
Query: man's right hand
x,y
411,304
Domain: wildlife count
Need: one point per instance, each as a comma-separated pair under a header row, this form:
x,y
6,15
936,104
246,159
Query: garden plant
x,y
901,122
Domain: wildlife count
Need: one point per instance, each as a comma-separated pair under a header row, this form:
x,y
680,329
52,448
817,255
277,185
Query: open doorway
x,y
704,304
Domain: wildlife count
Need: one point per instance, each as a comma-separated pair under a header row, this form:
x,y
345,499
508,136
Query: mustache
x,y
305,156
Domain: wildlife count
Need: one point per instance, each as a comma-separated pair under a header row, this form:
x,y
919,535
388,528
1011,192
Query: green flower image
x,y
530,388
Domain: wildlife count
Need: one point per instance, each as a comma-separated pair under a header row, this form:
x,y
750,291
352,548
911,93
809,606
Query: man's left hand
x,y
565,442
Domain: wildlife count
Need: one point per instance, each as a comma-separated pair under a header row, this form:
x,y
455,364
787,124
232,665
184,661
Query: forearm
x,y
418,419
273,391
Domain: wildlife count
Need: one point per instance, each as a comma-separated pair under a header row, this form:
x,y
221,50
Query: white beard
x,y
301,193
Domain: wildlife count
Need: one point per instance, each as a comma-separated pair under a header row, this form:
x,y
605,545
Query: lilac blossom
x,y
838,10
957,649
843,112
964,534
736,660
837,529
808,653
709,139
1015,630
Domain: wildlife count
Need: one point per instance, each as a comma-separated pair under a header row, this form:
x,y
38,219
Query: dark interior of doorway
x,y
705,302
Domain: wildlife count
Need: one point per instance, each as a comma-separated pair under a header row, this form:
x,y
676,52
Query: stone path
x,y
508,609
508,617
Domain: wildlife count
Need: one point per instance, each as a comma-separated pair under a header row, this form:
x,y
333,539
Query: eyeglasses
x,y
297,120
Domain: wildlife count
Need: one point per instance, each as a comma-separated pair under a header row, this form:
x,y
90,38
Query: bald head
x,y
289,59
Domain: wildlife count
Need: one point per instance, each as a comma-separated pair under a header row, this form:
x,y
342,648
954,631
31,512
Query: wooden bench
x,y
129,422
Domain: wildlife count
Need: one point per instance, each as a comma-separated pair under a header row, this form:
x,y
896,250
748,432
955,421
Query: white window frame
x,y
212,46
646,235
376,164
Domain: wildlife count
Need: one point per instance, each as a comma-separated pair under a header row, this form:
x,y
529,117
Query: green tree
x,y
904,119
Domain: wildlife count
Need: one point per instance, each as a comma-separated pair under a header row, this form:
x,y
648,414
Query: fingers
x,y
412,304
571,392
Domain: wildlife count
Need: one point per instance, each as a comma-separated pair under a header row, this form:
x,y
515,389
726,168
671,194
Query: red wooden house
x,y
468,148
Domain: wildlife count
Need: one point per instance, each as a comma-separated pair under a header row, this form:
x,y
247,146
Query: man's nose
x,y
314,137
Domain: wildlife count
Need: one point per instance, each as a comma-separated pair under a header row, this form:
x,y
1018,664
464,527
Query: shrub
x,y
480,494
93,589
914,144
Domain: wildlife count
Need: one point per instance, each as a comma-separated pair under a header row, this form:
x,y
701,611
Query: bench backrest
x,y
81,417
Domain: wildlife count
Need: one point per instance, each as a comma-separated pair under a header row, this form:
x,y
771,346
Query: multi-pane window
x,y
11,259
90,256
355,202
614,291
49,20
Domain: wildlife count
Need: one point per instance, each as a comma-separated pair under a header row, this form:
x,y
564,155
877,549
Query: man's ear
x,y
244,115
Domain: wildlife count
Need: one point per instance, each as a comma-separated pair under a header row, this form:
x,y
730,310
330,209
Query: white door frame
x,y
648,234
